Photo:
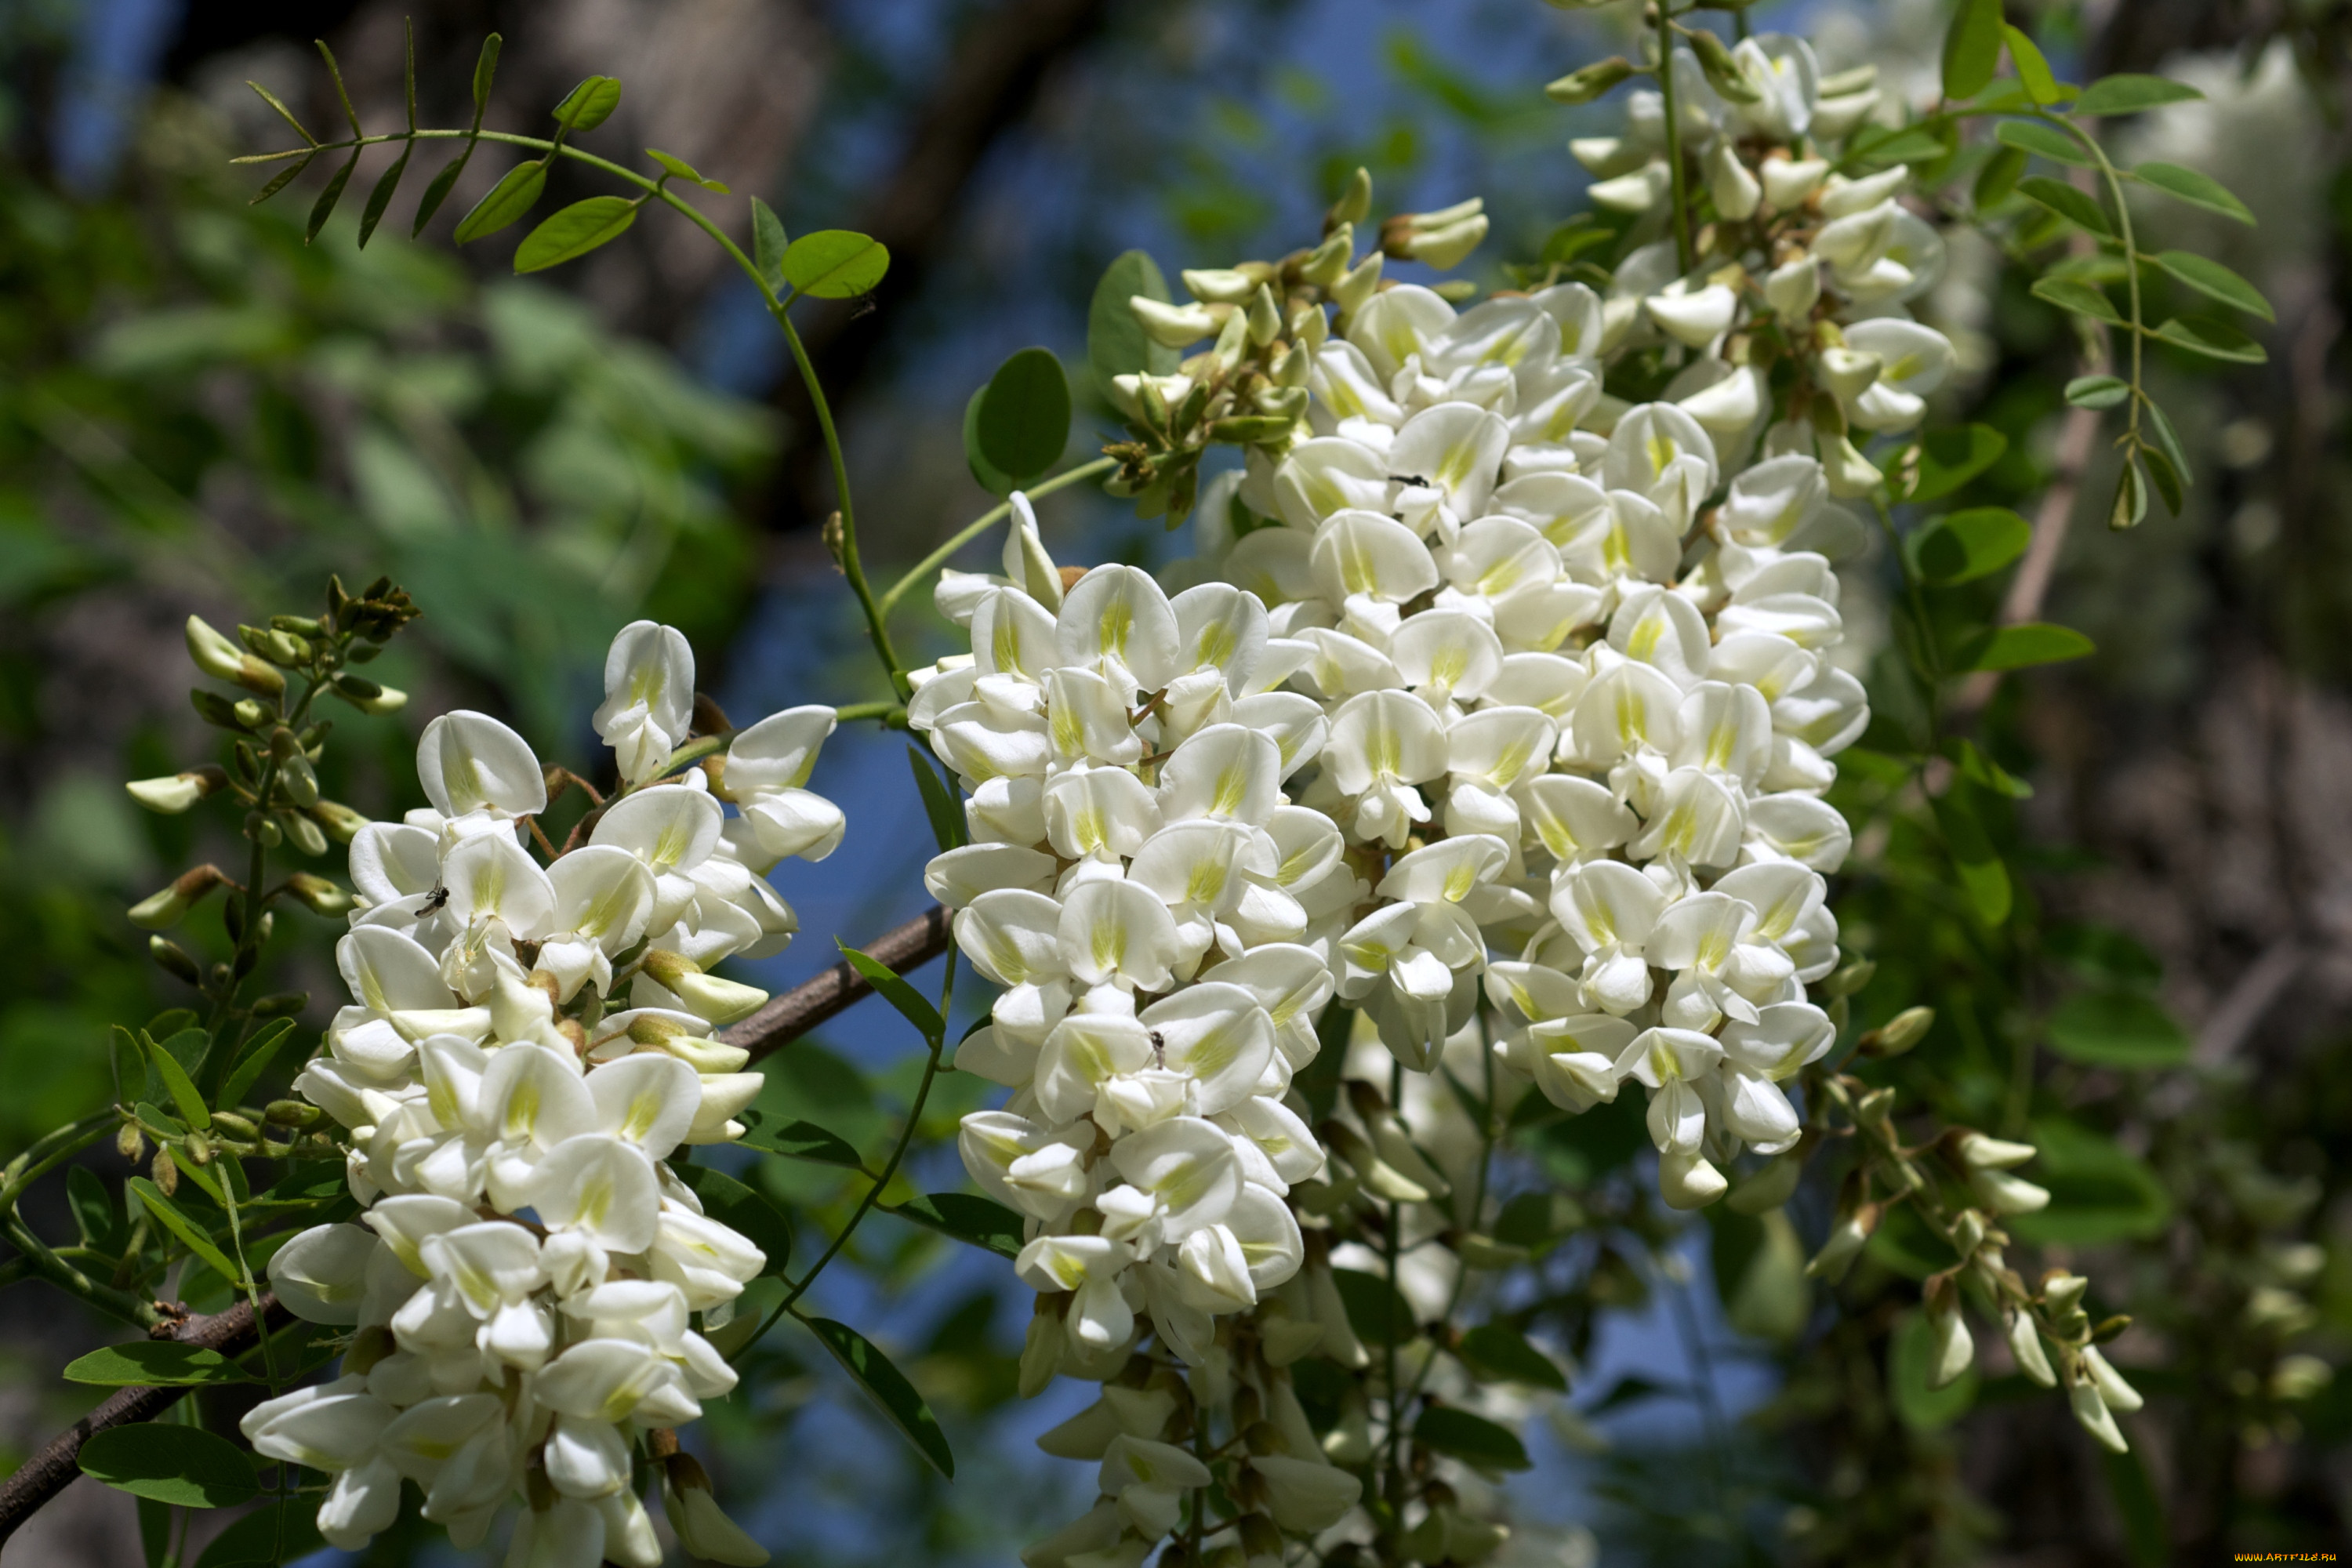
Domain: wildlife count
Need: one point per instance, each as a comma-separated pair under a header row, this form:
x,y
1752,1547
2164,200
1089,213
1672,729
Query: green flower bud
x,y
707,997
305,833
317,894
224,660
1723,72
1584,86
1898,1034
165,909
164,1171
292,1113
341,823
1355,203
281,1005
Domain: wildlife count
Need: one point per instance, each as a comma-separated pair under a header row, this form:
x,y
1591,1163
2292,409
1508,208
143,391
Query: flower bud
x,y
1735,191
1357,287
2092,1412
297,779
703,1527
1173,326
2004,1193
1849,979
1951,1349
1979,1153
707,996
1355,203
1326,262
164,910
129,1142
1770,1187
236,1126
304,832
1221,285
164,1171
224,660
1723,72
1439,239
2025,1344
1788,181
1793,289
295,1113
1265,317
1851,474
1847,1236
340,822
2118,1394
263,830
1846,373
174,960
1585,85
173,794
1969,1232
367,696
220,712
317,894
1041,1350
1688,1181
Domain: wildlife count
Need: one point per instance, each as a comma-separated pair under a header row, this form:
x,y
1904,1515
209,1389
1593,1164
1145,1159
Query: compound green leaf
x,y
515,193
2214,340
2211,277
1024,415
797,1141
911,1004
2130,93
964,1216
590,104
2198,190
2023,647
2043,141
1117,343
1472,1439
2081,210
2098,391
1498,1352
1972,48
161,1363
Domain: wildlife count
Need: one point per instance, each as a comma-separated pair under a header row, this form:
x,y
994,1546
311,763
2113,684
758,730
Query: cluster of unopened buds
x,y
527,1046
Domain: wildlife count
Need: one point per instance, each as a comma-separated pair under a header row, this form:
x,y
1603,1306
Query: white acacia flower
x,y
648,703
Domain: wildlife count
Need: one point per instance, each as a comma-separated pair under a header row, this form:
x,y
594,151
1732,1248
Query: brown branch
x,y
782,1021
48,1472
2027,590
811,1003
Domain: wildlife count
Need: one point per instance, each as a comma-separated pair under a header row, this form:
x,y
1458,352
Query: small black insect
x,y
1408,479
433,900
1158,1050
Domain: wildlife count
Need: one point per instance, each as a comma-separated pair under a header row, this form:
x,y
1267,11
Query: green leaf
x,y
1024,415
1986,773
743,1210
183,1088
280,179
2031,69
278,1533
2168,462
1910,1358
1999,177
1115,342
984,474
1902,145
485,70
255,1059
835,264
2081,210
2212,279
381,198
590,104
574,231
888,1387
975,1221
1978,865
2128,93
939,806
2098,1190
686,172
2214,340
768,244
1498,1352
324,208
2118,1030
911,1004
438,191
161,1363
94,1212
2198,190
2023,647
515,193
1949,459
2079,299
1375,1309
185,1466
798,1140
191,1234
1972,48
2043,141
1472,1439
1969,544
2098,391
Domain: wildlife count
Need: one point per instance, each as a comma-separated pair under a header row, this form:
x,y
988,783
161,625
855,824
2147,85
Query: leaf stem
x,y
1685,255
982,524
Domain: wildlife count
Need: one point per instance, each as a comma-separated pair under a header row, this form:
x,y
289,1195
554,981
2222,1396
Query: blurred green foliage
x,y
201,412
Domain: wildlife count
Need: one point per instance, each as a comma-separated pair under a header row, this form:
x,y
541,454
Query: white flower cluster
x,y
526,1273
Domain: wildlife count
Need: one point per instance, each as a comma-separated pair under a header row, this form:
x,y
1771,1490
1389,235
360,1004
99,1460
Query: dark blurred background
x,y
200,412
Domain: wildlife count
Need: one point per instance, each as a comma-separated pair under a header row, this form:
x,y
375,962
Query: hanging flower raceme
x,y
527,1045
